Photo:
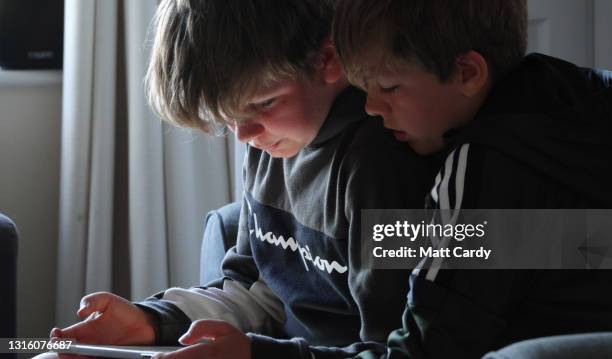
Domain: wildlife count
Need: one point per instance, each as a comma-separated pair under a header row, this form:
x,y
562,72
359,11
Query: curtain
x,y
134,191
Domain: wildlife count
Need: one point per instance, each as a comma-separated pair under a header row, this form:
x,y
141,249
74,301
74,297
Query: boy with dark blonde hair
x,y
520,132
267,70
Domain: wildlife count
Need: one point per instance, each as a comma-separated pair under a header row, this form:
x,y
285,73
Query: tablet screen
x,y
116,351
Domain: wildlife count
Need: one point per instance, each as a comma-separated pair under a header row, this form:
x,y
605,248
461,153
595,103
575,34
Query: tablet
x,y
116,351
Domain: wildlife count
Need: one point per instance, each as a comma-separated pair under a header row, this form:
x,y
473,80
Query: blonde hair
x,y
208,56
429,33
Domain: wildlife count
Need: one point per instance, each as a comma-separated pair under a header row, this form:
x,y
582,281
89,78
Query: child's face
x,y
414,104
287,117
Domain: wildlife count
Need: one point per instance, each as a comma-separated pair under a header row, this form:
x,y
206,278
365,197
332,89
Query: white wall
x,y
602,30
577,31
30,127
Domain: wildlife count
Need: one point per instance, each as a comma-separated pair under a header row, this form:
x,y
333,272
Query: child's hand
x,y
226,342
110,319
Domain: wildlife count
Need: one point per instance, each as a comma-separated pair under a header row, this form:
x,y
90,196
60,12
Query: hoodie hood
x,y
554,117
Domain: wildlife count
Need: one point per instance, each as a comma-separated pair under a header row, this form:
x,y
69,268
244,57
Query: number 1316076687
x,y
33,345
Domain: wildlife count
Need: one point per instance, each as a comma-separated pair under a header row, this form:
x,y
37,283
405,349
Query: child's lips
x,y
400,135
269,147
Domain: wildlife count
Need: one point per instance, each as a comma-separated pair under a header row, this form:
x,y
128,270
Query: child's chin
x,y
283,153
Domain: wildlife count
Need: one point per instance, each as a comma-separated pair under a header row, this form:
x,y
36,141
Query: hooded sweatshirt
x,y
296,270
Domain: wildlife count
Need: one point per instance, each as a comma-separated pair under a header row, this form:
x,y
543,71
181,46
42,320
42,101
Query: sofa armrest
x,y
8,277
220,230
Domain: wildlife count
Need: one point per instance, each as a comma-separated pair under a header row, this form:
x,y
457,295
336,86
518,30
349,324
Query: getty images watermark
x,y
428,231
488,239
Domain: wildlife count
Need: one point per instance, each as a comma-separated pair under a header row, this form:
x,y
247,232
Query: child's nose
x,y
247,131
375,106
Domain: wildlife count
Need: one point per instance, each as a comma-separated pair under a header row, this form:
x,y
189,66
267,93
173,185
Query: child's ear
x,y
330,65
472,73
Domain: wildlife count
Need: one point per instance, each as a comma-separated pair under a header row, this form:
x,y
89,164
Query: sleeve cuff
x,y
172,323
263,347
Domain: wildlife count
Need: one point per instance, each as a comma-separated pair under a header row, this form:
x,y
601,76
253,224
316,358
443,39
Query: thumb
x,y
96,302
207,329
84,331
55,333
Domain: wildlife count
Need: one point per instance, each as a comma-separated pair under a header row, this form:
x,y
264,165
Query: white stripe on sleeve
x,y
459,179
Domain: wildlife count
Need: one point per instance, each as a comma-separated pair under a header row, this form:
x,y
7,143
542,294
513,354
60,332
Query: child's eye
x,y
388,89
267,103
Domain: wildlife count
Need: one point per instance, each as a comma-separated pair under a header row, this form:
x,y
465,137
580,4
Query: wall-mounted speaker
x,y
31,34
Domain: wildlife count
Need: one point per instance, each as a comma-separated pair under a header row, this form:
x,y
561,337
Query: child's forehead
x,y
392,67
366,67
376,68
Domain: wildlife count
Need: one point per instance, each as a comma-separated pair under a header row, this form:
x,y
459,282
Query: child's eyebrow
x,y
367,75
267,93
365,80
